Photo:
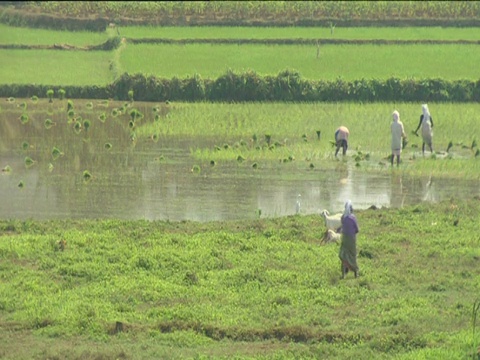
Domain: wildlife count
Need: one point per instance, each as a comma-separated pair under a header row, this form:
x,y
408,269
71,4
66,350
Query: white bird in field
x,y
297,205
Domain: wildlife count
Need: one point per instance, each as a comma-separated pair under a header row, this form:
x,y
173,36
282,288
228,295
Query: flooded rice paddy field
x,y
63,169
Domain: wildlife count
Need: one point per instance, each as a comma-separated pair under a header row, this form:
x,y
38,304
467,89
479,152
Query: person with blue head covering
x,y
348,248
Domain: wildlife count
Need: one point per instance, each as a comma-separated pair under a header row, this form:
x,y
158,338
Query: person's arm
x,y
419,124
356,226
431,121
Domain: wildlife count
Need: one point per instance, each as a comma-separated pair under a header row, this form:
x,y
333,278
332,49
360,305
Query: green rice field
x,y
55,67
263,289
352,33
349,62
327,62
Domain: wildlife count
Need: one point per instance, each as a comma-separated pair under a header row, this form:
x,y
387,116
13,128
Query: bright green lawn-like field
x,y
354,33
263,289
29,36
55,67
350,62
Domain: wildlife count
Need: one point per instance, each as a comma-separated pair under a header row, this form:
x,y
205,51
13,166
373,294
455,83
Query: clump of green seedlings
x,y
48,123
86,175
50,94
77,126
28,161
56,153
86,124
61,94
135,114
24,118
69,105
34,99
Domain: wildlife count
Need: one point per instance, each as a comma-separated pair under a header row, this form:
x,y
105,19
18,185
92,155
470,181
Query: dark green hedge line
x,y
17,17
248,86
14,17
115,42
110,44
300,41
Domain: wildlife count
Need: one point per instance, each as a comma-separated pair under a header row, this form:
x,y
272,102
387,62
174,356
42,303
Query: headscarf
x,y
396,116
348,208
426,113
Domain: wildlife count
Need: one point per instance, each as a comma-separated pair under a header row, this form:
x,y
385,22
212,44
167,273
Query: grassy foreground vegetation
x,y
263,289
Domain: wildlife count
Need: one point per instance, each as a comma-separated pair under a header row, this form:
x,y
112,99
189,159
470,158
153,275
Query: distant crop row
x,y
249,86
96,15
266,9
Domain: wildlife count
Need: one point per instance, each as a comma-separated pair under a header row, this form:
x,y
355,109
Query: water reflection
x,y
131,181
171,192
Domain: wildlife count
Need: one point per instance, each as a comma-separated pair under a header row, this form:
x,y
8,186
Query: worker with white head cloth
x,y
398,134
426,122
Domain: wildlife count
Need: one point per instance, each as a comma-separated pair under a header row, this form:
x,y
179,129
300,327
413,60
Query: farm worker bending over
x,y
426,122
397,134
348,249
341,139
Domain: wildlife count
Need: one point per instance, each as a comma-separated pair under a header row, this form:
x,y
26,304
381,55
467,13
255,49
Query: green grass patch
x,y
350,62
55,67
350,33
246,289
